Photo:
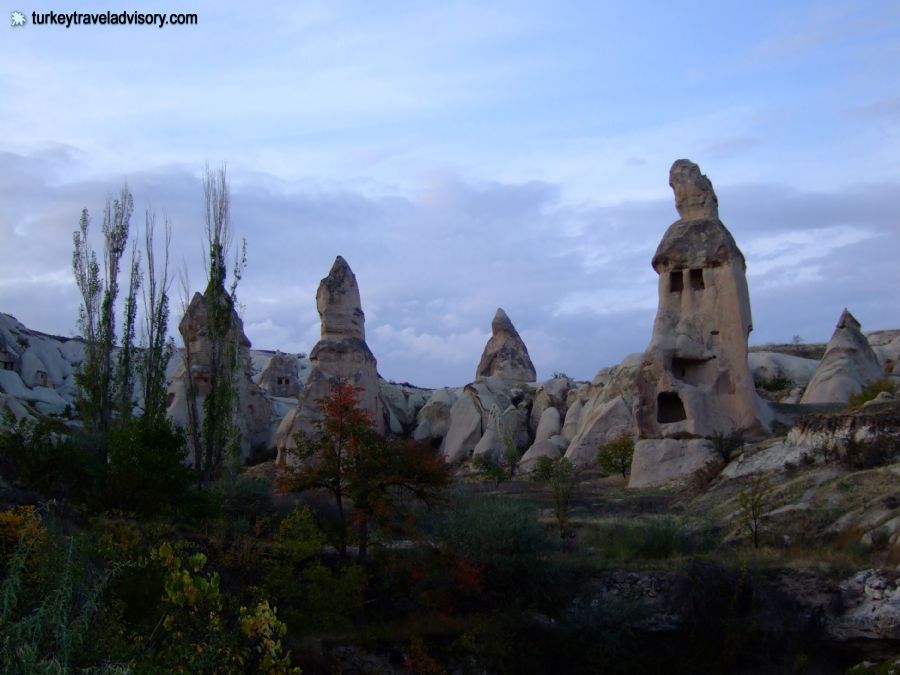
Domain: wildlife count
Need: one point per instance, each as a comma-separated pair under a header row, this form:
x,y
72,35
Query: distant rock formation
x,y
281,376
340,355
694,379
505,354
849,364
254,409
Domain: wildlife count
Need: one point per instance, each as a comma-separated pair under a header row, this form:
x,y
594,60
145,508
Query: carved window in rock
x,y
697,280
170,399
693,371
676,281
40,378
669,408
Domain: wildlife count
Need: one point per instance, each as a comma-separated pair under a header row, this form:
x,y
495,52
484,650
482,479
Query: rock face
x,y
281,376
505,355
254,409
340,355
694,379
848,364
600,424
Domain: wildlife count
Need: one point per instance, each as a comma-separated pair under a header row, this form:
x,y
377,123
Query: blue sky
x,y
463,156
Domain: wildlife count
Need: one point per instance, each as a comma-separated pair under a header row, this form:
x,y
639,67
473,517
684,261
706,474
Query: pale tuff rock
x,y
573,419
281,376
694,379
549,425
886,345
254,409
551,394
505,355
470,418
771,365
848,364
553,447
433,419
402,402
660,461
600,424
340,355
600,411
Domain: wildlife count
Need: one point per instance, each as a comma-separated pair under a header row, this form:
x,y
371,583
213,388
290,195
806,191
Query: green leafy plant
x,y
561,476
615,456
754,501
871,390
355,465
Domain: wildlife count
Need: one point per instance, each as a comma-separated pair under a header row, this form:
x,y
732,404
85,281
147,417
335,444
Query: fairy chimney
x,y
694,380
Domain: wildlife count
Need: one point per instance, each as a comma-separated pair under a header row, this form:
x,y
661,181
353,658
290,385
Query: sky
x,y
464,156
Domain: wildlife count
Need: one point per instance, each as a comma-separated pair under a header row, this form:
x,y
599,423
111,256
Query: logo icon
x,y
16,19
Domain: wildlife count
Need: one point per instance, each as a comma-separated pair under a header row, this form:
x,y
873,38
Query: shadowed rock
x,y
505,354
340,355
849,364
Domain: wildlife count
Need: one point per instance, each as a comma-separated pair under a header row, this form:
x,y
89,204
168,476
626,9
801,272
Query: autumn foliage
x,y
369,476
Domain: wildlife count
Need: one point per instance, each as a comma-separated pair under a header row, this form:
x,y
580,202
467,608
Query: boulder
x,y
551,394
548,426
341,355
433,419
553,447
661,461
599,425
505,354
849,364
573,419
470,416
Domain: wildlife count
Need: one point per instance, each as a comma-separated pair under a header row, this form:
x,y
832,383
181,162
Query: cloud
x,y
434,262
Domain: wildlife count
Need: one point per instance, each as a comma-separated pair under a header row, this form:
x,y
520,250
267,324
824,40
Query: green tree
x,y
351,461
96,378
214,432
615,456
561,476
157,350
753,503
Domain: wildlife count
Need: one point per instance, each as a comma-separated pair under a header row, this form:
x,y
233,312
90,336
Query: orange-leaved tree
x,y
367,474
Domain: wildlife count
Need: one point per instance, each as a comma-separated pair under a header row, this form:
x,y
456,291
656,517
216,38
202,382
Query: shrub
x,y
868,453
655,538
871,390
774,383
615,456
501,535
490,469
562,477
146,465
725,444
51,462
243,496
753,503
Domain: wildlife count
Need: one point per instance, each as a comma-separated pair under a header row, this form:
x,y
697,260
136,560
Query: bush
x,y
240,496
656,538
871,390
615,456
725,444
562,477
774,383
502,535
52,462
869,453
146,466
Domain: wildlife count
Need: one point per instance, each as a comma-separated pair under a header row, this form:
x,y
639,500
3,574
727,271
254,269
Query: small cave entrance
x,y
697,280
676,281
669,408
693,371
